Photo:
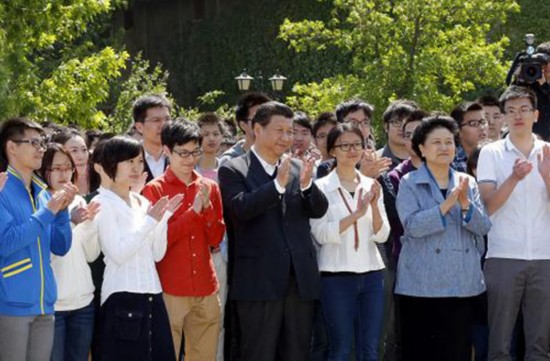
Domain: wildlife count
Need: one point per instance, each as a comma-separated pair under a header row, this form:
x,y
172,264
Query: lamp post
x,y
244,81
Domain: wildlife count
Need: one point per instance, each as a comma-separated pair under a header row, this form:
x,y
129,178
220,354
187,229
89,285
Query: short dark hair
x,y
230,126
246,102
97,155
116,150
461,109
473,158
544,48
518,92
416,116
267,110
427,126
91,135
65,135
489,100
13,129
301,119
352,105
140,106
47,161
180,132
400,109
322,119
340,129
211,119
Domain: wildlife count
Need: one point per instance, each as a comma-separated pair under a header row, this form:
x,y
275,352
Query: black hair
x,y
323,119
116,150
518,92
140,106
415,116
91,135
489,100
230,126
427,126
211,119
353,105
461,109
301,119
267,110
544,48
180,132
14,129
65,135
473,158
340,129
47,161
399,109
246,102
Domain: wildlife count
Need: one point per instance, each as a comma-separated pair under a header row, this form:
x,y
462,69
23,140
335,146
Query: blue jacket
x,y
441,254
28,233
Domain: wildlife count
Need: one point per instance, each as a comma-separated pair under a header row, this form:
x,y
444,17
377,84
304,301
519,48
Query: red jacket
x,y
187,268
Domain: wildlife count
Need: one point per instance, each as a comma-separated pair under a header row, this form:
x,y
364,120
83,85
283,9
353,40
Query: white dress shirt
x,y
521,226
157,167
132,242
75,288
337,253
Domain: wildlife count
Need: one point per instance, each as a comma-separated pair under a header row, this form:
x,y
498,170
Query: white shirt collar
x,y
269,168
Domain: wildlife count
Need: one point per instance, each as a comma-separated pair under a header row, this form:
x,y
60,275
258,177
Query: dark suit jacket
x,y
269,233
150,175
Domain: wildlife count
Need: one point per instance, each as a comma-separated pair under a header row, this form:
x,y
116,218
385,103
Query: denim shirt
x,y
441,254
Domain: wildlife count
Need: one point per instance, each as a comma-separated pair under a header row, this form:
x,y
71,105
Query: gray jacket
x,y
441,254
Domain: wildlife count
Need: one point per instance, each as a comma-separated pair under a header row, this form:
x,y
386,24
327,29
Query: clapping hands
x,y
164,205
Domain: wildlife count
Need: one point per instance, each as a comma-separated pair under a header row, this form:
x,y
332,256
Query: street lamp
x,y
243,81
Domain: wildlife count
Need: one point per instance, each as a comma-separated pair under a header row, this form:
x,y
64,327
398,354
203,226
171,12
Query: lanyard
x,y
356,244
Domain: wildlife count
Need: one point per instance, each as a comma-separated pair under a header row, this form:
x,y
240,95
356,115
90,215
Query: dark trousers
x,y
73,334
436,329
276,330
135,327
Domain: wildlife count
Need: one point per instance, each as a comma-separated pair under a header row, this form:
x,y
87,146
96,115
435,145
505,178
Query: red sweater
x,y
187,268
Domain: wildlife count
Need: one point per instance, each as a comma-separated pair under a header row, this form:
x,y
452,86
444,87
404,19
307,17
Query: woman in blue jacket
x,y
439,270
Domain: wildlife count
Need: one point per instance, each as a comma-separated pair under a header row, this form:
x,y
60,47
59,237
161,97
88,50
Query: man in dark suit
x,y
269,199
150,113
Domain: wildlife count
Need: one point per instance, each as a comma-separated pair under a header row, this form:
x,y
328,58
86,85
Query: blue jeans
x,y
73,334
353,305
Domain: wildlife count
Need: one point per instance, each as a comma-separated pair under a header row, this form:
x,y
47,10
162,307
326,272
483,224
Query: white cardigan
x,y
337,253
73,276
132,242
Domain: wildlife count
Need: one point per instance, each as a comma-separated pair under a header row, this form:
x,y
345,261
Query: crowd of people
x,y
295,240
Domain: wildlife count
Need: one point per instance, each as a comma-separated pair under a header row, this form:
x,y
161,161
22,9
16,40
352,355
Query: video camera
x,y
527,65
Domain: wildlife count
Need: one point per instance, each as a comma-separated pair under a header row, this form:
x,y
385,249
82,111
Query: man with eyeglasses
x,y
472,130
514,182
150,113
186,272
30,230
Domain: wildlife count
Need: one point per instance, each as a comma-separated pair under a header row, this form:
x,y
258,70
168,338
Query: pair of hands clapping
x,y
62,198
85,212
370,198
306,172
522,167
163,205
459,195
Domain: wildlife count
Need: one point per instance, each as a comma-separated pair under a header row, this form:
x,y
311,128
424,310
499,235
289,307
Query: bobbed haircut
x,y
353,105
140,106
270,109
14,129
179,132
428,125
49,154
116,150
518,92
246,102
302,119
399,109
461,109
340,129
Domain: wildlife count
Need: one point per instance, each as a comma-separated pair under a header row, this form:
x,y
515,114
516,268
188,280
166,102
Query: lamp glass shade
x,y
243,81
277,82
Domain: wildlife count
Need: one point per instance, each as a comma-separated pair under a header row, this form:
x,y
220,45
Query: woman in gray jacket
x,y
439,270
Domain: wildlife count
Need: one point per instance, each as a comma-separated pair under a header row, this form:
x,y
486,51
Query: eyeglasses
x,y
514,112
475,123
359,123
396,123
186,154
347,146
61,170
38,144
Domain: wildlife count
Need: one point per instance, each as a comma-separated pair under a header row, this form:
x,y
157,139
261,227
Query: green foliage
x,y
142,79
432,51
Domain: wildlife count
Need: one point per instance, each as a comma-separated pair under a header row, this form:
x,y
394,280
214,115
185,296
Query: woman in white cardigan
x,y
132,233
351,267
